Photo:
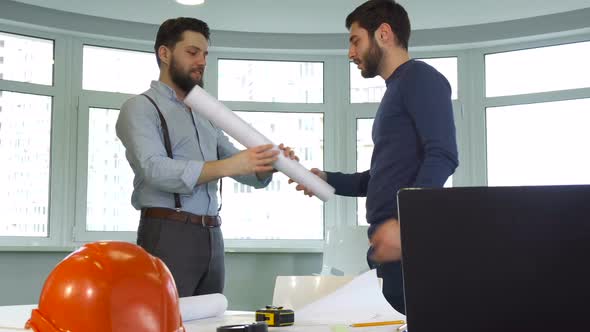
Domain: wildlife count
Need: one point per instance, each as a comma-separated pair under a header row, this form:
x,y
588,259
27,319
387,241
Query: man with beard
x,y
413,132
177,157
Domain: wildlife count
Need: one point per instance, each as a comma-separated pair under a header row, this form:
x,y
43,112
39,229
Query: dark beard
x,y
183,80
371,60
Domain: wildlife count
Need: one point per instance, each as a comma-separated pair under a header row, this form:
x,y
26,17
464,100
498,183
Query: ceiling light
x,y
190,2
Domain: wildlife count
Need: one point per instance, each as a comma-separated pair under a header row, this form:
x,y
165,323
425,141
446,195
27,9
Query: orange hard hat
x,y
108,286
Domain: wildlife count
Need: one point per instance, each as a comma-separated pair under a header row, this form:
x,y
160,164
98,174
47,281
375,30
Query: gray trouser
x,y
193,253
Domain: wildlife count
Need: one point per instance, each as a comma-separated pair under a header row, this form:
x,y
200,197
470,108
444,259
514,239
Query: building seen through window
x,y
25,136
277,211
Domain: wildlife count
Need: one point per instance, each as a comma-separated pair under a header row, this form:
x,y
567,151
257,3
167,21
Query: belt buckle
x,y
209,226
203,217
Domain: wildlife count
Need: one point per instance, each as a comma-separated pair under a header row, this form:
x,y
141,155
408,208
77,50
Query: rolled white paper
x,y
221,116
202,306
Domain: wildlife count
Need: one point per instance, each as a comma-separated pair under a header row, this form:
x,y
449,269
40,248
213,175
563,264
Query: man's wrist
x,y
219,168
224,168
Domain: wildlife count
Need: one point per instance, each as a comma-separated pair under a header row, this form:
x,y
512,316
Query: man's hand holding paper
x,y
222,117
307,191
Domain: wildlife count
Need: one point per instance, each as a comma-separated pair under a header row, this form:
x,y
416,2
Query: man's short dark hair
x,y
371,14
170,32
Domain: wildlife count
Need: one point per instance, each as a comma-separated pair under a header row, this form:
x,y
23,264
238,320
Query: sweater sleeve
x,y
352,185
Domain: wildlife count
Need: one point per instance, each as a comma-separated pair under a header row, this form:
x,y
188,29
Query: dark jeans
x,y
393,285
393,288
194,254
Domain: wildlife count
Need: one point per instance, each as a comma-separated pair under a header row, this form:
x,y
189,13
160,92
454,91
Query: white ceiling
x,y
310,16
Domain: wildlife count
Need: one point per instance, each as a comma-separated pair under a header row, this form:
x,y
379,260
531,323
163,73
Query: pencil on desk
x,y
390,322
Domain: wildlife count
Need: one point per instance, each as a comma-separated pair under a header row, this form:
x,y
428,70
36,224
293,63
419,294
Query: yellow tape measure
x,y
275,316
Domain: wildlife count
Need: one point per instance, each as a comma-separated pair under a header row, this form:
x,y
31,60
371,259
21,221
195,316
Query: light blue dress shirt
x,y
158,177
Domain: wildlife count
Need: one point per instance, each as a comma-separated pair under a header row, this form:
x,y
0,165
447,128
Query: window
x,y
268,213
527,71
371,90
271,81
116,70
364,151
109,189
365,90
447,67
26,59
538,144
64,178
25,135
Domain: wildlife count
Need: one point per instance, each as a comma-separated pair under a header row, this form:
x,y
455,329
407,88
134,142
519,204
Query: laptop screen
x,y
496,258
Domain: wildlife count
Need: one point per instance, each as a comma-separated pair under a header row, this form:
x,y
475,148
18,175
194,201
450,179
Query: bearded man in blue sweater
x,y
413,132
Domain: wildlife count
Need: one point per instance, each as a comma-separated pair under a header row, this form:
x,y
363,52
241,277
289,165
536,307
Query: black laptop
x,y
496,258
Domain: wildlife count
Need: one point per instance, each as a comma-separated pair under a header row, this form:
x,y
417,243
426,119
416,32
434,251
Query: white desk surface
x,y
13,319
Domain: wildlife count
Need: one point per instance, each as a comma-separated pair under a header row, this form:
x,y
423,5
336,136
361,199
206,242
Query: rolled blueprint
x,y
202,306
221,116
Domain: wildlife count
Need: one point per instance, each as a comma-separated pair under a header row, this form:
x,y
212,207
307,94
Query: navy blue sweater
x,y
414,138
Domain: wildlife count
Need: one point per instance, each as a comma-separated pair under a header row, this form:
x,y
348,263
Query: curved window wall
x,y
65,179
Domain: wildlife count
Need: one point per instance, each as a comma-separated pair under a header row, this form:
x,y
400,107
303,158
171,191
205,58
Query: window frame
x,y
95,99
292,243
308,245
60,143
69,154
90,100
259,59
134,47
532,46
481,103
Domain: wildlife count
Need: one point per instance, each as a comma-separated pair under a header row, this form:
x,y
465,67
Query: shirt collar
x,y
165,90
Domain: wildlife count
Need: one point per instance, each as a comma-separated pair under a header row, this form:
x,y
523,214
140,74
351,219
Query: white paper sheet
x,y
202,306
359,301
221,116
